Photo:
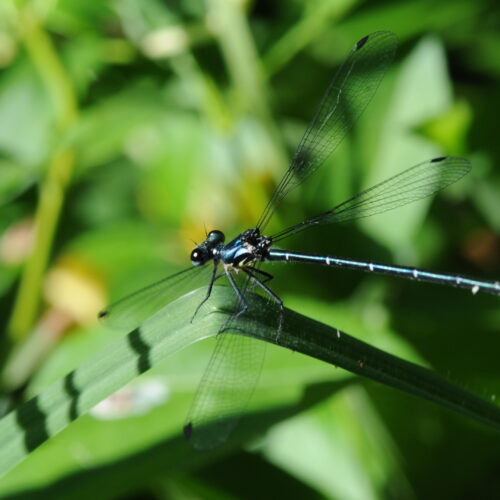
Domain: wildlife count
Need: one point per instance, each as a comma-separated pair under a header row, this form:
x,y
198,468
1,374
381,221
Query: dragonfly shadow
x,y
73,393
141,348
33,419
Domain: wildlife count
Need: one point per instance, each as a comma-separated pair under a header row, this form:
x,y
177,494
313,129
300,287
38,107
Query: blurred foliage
x,y
127,127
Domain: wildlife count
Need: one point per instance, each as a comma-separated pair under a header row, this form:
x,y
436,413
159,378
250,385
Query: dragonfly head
x,y
208,249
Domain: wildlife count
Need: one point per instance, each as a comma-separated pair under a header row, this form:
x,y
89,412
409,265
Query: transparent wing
x,y
227,384
225,390
131,311
350,91
415,183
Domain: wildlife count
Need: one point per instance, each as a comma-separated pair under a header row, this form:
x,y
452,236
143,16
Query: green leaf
x,y
14,179
362,466
26,116
108,125
422,91
26,428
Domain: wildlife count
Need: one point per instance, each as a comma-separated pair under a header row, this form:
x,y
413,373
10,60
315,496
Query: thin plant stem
x,y
57,174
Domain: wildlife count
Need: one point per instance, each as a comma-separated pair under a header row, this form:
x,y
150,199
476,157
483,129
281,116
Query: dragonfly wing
x,y
345,99
414,183
225,390
131,311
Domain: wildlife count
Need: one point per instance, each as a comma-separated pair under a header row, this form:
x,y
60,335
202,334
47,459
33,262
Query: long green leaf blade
x,y
171,329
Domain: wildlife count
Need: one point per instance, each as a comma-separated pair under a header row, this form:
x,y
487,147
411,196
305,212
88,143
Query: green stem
x,y
231,30
230,27
59,169
307,29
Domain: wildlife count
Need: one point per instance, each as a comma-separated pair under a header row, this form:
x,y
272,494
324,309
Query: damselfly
x,y
216,409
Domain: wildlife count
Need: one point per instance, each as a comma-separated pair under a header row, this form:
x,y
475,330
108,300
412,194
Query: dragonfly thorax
x,y
246,249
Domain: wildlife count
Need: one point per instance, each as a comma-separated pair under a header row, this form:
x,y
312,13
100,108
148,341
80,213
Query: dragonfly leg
x,y
213,279
241,299
272,295
268,277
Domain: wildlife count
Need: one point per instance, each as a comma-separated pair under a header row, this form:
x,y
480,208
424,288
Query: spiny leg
x,y
241,301
273,296
268,277
213,279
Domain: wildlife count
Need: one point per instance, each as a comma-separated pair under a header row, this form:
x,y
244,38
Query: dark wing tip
x,y
384,34
437,160
188,430
103,314
361,42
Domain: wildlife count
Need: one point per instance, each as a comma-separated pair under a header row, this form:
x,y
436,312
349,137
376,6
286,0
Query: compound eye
x,y
198,257
216,237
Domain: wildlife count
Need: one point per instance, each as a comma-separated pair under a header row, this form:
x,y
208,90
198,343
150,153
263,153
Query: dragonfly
x,y
234,367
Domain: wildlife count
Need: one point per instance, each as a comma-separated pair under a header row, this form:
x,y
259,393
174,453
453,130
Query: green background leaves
x,y
126,127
